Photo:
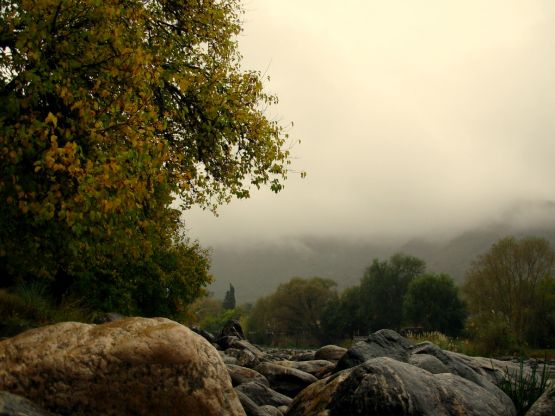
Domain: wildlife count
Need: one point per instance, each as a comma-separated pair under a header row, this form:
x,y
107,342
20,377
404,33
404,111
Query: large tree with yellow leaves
x,y
109,110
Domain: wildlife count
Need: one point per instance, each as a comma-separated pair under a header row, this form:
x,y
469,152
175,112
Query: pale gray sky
x,y
415,117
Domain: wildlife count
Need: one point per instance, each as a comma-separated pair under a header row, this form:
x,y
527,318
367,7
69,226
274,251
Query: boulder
x,y
244,358
262,394
250,407
490,368
428,362
131,366
242,344
318,368
14,405
452,363
385,386
271,410
205,334
228,359
304,356
240,375
288,381
383,343
545,405
231,331
330,353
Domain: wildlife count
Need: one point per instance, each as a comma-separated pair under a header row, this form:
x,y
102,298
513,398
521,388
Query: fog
x,y
416,119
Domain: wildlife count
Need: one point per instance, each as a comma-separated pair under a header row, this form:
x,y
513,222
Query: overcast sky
x,y
415,117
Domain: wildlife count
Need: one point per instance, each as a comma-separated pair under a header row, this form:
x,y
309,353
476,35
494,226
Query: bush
x,y
492,336
524,387
30,305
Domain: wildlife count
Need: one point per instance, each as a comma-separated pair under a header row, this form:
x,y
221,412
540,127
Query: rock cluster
x,y
156,366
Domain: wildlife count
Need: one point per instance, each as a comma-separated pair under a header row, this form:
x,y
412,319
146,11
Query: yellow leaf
x,y
51,118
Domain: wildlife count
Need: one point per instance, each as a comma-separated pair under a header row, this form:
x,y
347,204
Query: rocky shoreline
x,y
156,366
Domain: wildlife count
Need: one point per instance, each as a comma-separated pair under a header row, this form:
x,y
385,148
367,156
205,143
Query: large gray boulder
x,y
383,343
133,366
385,387
454,364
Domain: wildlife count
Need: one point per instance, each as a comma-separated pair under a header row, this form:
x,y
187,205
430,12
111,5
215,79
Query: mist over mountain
x,y
256,268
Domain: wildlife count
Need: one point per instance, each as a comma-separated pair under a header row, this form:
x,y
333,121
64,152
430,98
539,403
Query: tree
x,y
507,285
432,302
344,317
383,288
229,300
295,309
109,110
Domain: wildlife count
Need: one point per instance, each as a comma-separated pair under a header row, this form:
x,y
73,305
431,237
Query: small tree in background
x,y
510,287
229,299
295,310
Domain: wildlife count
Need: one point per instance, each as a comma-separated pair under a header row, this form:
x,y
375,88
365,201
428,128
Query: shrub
x,y
30,305
492,336
524,387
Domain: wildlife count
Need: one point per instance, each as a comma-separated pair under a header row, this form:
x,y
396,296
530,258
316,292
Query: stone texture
x,y
384,386
14,405
383,343
318,368
545,405
428,362
242,344
244,358
262,394
330,353
271,410
132,366
288,381
250,407
240,375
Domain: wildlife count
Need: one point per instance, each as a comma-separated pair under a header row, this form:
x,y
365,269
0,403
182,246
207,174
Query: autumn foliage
x,y
109,110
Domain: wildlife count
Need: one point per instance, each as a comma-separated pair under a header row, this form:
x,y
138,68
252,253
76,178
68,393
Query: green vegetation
x,y
210,314
383,288
524,387
398,293
109,112
229,300
510,292
432,301
29,305
293,313
310,311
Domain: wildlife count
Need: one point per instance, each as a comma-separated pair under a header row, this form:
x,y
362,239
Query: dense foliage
x,y
511,293
310,310
293,312
432,301
383,288
108,111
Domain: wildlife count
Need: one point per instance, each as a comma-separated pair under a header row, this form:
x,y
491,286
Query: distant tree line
x,y
506,301
391,294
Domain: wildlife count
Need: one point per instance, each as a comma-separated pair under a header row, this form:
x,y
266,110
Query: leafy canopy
x,y
108,111
512,285
432,302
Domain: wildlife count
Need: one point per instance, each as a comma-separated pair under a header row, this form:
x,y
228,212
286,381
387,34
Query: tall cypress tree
x,y
229,300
